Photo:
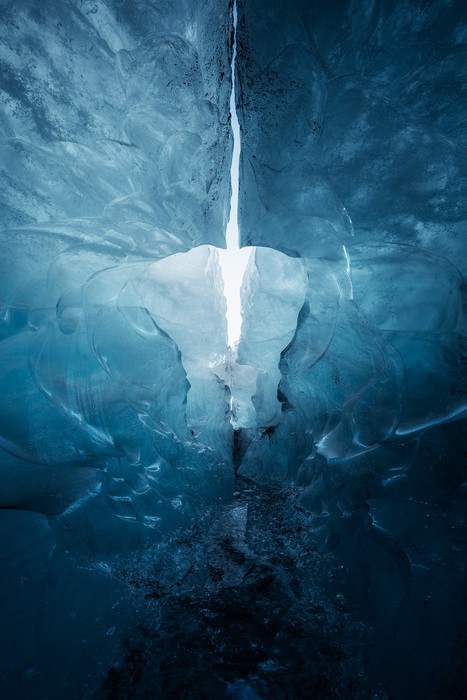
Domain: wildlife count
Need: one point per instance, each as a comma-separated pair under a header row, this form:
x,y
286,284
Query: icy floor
x,y
254,597
235,608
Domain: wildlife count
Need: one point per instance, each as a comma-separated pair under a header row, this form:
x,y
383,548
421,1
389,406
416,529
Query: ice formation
x,y
281,518
233,259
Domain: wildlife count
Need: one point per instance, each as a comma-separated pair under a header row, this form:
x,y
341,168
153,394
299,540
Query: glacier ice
x,y
116,154
272,296
351,157
285,517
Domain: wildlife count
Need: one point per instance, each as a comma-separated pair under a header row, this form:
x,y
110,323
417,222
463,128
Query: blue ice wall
x,y
115,155
115,186
353,160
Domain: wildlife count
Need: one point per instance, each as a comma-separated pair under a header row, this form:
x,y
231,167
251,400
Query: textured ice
x,y
364,186
283,518
115,145
383,299
272,296
110,112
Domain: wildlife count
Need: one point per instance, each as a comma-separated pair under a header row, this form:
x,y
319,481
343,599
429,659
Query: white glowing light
x,y
233,260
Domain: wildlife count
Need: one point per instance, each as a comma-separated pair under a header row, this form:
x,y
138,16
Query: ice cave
x,y
233,408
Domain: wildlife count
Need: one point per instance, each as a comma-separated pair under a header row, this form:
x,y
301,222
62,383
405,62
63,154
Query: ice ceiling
x,y
180,519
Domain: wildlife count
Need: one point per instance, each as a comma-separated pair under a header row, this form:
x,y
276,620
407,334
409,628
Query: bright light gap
x,y
234,259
